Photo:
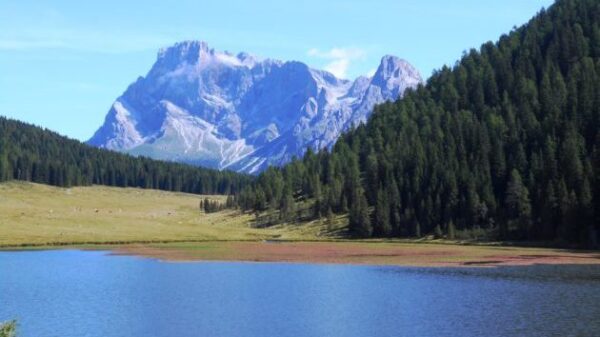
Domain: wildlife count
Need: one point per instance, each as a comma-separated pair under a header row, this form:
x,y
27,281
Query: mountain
x,y
30,153
505,145
215,109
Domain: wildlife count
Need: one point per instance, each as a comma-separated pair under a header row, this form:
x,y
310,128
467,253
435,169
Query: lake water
x,y
89,293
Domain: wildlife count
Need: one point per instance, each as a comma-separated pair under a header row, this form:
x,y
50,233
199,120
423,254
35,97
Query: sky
x,y
63,63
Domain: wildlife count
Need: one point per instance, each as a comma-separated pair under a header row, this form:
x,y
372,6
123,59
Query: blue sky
x,y
62,63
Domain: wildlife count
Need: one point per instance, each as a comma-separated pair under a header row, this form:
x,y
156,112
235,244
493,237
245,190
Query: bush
x,y
475,233
8,329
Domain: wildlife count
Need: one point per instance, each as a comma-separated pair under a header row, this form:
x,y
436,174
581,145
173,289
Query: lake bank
x,y
365,253
399,253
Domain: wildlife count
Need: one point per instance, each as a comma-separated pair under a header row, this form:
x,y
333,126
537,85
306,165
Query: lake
x,y
66,293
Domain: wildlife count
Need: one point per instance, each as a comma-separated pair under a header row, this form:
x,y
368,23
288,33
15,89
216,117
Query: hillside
x,y
33,214
31,153
505,143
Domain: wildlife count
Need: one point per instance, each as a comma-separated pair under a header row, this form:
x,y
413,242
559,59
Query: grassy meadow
x,y
170,226
34,215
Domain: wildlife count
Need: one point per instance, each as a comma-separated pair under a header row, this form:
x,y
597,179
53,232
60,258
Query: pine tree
x,y
330,218
207,208
4,169
382,224
230,201
451,231
287,205
517,202
260,203
359,219
437,232
394,205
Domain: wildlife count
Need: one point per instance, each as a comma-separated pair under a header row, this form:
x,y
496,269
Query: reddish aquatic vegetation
x,y
374,253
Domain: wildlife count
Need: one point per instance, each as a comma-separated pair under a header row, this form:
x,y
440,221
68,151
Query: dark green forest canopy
x,y
39,155
507,140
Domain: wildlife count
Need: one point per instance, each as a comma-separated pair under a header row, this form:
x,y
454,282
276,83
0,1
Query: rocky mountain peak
x,y
217,109
394,75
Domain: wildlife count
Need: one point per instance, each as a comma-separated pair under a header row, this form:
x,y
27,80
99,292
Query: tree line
x,y
39,155
506,142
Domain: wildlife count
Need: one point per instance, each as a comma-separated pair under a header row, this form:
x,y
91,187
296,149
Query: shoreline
x,y
273,240
377,253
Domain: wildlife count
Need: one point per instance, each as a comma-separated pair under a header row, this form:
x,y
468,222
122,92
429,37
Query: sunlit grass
x,y
34,214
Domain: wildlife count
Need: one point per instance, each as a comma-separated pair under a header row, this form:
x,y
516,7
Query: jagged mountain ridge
x,y
215,109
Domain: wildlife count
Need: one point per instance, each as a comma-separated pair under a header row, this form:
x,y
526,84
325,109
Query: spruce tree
x,y
382,225
287,205
517,202
359,219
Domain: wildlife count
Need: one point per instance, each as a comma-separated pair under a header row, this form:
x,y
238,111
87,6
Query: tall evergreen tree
x,y
517,202
359,219
382,225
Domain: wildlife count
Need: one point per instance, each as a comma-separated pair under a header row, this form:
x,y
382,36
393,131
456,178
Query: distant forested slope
x,y
34,154
506,143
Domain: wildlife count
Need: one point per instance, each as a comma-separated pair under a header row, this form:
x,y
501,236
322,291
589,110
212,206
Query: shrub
x,y
8,329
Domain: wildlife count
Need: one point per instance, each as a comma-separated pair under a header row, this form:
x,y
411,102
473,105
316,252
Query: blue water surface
x,y
71,293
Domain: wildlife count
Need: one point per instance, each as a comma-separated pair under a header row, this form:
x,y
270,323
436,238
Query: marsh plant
x,y
8,329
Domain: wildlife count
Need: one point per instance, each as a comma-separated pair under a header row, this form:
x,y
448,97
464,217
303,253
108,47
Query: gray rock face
x,y
220,110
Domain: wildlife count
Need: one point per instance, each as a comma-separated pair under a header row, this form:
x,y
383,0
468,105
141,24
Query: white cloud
x,y
371,72
339,59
